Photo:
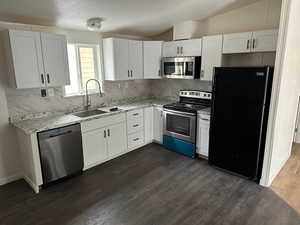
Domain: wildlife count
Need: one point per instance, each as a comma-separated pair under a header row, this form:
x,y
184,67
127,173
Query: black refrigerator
x,y
239,117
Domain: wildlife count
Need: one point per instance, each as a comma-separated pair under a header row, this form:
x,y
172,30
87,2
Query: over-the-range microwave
x,y
181,67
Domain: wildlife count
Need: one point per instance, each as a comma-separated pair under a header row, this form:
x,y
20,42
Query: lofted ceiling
x,y
138,17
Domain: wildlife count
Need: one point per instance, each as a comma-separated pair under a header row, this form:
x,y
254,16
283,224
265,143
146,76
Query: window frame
x,y
97,67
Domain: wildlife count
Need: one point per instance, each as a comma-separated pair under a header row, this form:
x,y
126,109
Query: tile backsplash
x,y
28,103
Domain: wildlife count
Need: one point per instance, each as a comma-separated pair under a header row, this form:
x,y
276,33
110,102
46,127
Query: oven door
x,y
180,125
178,67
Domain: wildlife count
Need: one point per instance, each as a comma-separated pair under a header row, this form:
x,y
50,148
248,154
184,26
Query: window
x,y
83,65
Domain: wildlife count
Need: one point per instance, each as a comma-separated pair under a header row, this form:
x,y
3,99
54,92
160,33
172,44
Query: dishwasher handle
x,y
60,134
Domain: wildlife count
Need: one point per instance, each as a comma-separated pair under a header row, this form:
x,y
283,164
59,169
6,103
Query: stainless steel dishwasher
x,y
60,152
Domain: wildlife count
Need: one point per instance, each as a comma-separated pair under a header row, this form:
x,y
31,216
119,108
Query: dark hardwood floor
x,y
150,186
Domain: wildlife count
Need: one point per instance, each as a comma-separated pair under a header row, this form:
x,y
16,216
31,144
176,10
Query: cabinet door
x,y
158,124
211,55
170,49
152,56
237,43
115,57
116,139
94,147
148,124
27,60
203,135
191,47
136,59
54,48
264,41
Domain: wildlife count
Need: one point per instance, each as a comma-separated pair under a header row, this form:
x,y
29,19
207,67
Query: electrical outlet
x,y
43,92
50,92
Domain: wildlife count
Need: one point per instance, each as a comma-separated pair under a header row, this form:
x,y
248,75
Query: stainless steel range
x,y
180,121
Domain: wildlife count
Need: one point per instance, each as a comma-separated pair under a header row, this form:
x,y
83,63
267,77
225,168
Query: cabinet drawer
x,y
135,125
135,140
102,122
134,114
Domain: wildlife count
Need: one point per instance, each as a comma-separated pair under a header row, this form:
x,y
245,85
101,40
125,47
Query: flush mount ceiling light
x,y
94,24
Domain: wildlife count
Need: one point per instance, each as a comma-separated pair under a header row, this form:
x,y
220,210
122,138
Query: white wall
x,y
285,99
10,168
264,14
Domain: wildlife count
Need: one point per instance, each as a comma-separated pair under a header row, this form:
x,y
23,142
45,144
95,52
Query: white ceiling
x,y
139,17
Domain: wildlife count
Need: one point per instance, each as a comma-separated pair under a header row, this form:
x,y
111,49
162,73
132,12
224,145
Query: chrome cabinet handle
x,y
159,73
253,44
136,139
177,50
48,78
136,125
135,114
104,133
181,50
248,44
108,133
131,72
42,79
128,73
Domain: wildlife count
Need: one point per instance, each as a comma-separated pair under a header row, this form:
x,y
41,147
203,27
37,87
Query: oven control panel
x,y
195,94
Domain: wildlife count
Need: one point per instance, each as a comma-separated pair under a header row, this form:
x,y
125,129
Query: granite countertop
x,y
42,124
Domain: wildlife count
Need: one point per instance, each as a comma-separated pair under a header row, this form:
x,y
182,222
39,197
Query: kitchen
x,y
108,97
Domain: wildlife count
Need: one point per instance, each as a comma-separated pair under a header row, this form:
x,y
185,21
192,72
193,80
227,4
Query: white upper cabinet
x,y
264,41
123,59
170,49
211,55
135,59
152,57
54,48
35,58
237,43
24,58
191,47
259,41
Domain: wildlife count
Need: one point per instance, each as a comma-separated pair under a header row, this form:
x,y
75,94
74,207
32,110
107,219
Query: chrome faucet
x,y
88,100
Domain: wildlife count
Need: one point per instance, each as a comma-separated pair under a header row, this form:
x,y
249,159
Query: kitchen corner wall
x,y
169,88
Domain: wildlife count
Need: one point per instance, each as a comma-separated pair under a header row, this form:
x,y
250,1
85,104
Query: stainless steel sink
x,y
89,113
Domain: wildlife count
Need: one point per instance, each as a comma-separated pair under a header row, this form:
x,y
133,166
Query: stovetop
x,y
183,107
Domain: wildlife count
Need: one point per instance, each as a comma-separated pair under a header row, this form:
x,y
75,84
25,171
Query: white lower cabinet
x,y
103,139
135,140
94,147
148,124
158,124
203,134
116,139
135,129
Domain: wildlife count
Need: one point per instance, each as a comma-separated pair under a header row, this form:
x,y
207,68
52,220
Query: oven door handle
x,y
174,112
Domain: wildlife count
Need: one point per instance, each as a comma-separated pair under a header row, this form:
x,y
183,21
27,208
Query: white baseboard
x,y
11,178
35,187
